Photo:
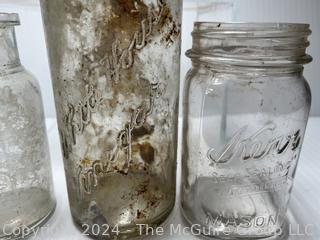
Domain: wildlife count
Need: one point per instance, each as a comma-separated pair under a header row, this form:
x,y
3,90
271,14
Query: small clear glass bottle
x,y
26,192
246,107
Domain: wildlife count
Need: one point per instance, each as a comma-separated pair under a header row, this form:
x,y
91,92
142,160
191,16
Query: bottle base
x,y
28,231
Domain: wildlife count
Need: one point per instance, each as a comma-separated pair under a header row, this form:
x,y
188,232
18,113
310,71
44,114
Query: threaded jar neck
x,y
9,56
257,45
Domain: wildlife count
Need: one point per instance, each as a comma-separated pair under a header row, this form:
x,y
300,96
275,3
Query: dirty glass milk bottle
x,y
246,106
26,192
115,70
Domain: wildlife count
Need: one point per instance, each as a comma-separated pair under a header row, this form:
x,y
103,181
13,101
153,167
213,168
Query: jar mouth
x,y
202,27
251,44
9,19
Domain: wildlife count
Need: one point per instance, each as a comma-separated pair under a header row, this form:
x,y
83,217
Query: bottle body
x,y
243,131
26,190
116,83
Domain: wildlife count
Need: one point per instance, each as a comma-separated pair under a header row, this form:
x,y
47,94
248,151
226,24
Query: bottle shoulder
x,y
23,86
19,77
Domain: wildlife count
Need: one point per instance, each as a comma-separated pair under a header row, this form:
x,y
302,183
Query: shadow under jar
x,y
26,189
115,68
246,107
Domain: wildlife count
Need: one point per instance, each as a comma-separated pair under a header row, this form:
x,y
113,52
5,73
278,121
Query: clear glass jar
x,y
26,190
246,107
115,70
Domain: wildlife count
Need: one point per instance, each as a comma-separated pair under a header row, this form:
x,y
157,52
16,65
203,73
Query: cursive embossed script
x,y
255,147
124,58
88,176
78,117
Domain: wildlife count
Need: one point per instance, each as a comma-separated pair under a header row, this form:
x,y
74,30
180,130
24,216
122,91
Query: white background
x,y
33,55
304,207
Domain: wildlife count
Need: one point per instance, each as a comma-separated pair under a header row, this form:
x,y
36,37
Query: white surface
x,y
21,2
304,206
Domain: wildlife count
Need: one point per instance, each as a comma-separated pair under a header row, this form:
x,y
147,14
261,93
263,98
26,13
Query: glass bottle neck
x,y
9,55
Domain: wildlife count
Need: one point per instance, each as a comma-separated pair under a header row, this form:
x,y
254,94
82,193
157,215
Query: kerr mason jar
x,y
115,71
246,107
26,189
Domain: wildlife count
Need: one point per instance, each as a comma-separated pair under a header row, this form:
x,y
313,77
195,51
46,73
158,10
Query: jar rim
x,y
9,19
245,29
252,25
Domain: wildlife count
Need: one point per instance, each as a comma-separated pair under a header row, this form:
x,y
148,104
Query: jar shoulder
x,y
202,77
247,93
